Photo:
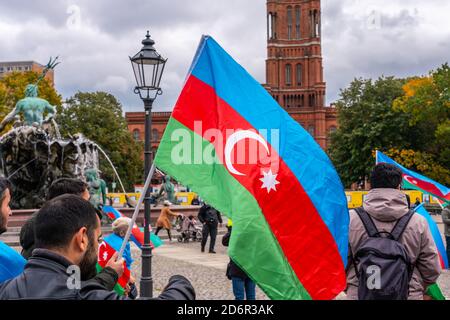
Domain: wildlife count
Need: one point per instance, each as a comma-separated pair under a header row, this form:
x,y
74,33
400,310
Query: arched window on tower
x,y
317,24
297,22
270,20
299,74
288,74
311,130
155,135
289,22
136,135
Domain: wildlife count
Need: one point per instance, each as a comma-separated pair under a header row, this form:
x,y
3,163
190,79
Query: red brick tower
x,y
294,71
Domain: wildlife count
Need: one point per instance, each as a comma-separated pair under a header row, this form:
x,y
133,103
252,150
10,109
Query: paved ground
x,y
207,271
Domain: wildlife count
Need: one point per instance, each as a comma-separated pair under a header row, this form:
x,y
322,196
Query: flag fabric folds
x,y
289,209
11,263
110,245
436,235
413,180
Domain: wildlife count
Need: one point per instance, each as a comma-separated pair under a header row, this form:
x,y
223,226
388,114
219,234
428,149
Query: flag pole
x,y
136,210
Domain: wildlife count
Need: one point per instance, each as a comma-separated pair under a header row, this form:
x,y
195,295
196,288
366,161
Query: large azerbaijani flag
x,y
289,210
413,180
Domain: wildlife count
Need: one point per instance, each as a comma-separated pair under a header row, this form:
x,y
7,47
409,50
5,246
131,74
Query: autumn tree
x,y
368,122
12,89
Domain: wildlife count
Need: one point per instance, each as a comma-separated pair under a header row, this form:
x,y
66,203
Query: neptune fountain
x,y
33,154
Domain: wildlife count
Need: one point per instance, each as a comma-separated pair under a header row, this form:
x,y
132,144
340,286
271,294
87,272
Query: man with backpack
x,y
392,255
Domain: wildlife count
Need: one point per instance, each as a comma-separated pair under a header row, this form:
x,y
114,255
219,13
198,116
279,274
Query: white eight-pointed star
x,y
269,181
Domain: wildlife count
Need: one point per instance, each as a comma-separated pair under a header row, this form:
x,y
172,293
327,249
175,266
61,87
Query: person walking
x,y
210,218
385,230
243,286
446,220
165,219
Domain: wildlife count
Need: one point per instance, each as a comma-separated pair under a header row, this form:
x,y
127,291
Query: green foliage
x,y
367,122
98,116
427,100
408,119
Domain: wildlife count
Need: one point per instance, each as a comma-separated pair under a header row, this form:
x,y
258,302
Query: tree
x,y
368,122
427,100
98,116
12,88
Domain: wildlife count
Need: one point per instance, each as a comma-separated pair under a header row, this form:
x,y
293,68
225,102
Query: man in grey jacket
x,y
446,220
386,204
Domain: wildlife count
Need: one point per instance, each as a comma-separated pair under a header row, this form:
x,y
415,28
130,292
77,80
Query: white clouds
x,y
360,38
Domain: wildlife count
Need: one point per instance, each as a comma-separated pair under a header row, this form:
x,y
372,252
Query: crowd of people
x,y
66,233
61,244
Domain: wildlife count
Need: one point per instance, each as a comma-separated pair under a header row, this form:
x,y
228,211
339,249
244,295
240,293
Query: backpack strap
x,y
368,223
401,225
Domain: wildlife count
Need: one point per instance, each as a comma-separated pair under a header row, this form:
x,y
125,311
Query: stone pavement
x,y
207,271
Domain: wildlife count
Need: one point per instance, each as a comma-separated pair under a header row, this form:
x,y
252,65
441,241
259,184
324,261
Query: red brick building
x,y
136,126
23,66
294,71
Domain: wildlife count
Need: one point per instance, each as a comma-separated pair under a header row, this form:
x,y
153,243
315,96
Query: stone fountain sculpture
x,y
33,154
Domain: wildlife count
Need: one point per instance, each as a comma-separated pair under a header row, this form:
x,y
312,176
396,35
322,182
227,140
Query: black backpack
x,y
382,264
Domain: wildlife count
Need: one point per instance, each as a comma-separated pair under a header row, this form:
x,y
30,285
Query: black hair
x,y
4,184
60,218
66,185
385,175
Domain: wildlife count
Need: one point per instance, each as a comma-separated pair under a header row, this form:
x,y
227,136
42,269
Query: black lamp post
x,y
148,67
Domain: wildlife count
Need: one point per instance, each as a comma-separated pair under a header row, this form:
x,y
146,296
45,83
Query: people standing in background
x,y
210,218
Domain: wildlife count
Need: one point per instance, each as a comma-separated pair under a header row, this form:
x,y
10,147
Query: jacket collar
x,y
46,257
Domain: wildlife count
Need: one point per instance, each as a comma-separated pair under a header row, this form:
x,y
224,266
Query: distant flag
x,y
11,263
413,180
289,209
436,235
137,234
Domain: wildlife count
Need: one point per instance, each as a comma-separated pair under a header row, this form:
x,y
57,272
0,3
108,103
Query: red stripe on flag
x,y
302,234
105,252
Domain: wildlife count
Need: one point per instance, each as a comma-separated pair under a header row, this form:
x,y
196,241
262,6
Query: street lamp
x,y
148,67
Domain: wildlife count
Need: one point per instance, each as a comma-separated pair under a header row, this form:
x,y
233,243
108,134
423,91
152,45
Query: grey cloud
x,y
95,56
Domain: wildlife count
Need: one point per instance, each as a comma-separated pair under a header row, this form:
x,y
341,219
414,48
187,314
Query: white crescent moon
x,y
233,140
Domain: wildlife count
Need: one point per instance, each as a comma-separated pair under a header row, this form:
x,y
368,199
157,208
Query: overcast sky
x,y
360,38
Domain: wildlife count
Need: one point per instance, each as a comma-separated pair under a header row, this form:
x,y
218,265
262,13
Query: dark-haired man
x,y
67,239
58,187
386,204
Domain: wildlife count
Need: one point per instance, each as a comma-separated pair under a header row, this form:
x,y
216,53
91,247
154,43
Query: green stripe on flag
x,y
253,246
117,288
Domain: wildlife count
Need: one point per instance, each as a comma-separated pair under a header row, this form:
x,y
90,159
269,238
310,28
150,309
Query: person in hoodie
x,y
386,204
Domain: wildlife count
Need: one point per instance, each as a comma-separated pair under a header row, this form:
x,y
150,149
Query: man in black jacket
x,y
210,218
67,231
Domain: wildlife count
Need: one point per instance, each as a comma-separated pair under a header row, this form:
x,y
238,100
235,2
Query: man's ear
x,y
81,239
